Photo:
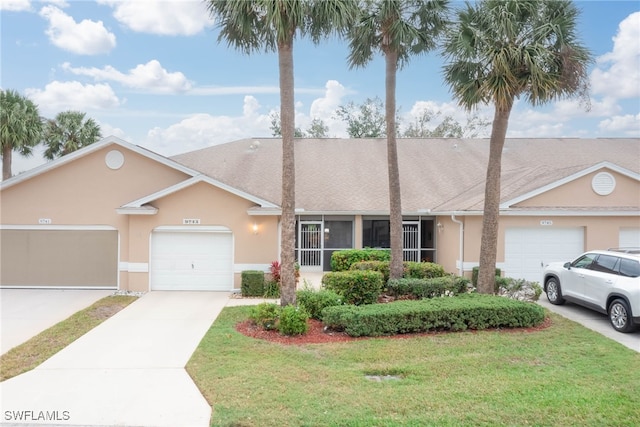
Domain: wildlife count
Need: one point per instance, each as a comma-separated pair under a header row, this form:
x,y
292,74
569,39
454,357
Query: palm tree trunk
x,y
7,151
490,218
395,201
287,116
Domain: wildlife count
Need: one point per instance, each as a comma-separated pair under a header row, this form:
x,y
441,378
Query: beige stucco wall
x,y
578,193
213,207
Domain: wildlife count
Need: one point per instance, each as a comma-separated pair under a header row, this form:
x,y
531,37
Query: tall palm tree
x,y
272,25
398,29
69,132
500,50
20,127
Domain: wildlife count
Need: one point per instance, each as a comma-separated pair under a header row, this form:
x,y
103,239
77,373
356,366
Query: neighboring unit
x,y
604,281
115,215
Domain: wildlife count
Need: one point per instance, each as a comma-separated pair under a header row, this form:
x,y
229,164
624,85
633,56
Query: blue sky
x,y
153,73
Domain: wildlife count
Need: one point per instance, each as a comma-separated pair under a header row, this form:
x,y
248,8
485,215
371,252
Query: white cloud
x,y
204,130
85,38
169,18
150,76
617,73
59,96
628,124
15,5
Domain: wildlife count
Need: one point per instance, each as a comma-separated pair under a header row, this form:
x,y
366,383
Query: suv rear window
x,y
629,268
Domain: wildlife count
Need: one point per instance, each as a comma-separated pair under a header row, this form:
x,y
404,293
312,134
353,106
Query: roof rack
x,y
626,250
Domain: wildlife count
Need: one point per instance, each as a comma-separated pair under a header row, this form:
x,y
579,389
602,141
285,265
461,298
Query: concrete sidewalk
x,y
128,371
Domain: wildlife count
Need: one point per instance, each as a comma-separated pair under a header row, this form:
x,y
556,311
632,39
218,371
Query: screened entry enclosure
x,y
317,238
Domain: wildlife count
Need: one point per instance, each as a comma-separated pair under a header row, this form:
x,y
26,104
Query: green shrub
x,y
293,321
314,302
271,289
252,284
383,267
356,287
519,289
423,270
474,275
469,311
265,315
428,288
342,260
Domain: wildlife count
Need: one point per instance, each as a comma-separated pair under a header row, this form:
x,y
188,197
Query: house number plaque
x,y
546,222
191,221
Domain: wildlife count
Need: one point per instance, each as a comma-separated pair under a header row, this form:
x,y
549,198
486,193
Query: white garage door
x,y
528,250
191,261
629,238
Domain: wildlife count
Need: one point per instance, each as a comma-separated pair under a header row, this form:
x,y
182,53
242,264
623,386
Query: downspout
x,y
461,244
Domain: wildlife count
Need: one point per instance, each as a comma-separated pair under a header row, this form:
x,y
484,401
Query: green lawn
x,y
32,353
564,375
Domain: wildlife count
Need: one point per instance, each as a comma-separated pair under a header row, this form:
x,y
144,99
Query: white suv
x,y
604,281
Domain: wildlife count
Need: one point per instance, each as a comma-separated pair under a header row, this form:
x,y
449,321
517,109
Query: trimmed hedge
x,y
469,311
411,269
252,284
315,301
342,260
356,287
428,288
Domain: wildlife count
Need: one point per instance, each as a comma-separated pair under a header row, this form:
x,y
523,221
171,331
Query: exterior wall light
x,y
255,228
440,226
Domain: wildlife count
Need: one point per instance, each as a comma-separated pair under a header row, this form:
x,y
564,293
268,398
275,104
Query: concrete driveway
x,y
129,370
27,312
593,320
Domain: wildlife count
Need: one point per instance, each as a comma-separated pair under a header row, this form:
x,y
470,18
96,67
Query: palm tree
x,y
69,132
20,127
500,50
399,29
272,25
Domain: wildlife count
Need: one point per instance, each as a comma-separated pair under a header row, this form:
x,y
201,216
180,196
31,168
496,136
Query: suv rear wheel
x,y
554,294
620,316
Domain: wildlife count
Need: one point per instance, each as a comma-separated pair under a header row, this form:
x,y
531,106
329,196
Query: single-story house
x,y
117,216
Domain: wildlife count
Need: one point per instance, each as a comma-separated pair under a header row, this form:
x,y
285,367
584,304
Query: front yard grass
x,y
32,353
562,375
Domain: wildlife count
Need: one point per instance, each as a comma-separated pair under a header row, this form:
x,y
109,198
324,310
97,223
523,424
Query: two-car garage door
x,y
191,260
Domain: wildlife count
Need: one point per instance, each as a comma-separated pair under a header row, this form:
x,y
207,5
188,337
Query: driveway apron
x,y
128,371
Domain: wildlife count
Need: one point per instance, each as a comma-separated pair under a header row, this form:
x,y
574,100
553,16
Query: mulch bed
x,y
317,334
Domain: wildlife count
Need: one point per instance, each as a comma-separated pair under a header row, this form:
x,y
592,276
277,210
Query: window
x,y
375,233
629,268
605,264
584,261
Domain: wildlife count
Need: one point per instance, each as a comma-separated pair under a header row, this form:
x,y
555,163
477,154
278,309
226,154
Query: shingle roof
x,y
350,175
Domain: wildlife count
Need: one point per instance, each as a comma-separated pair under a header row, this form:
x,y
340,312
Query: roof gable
x,y
572,178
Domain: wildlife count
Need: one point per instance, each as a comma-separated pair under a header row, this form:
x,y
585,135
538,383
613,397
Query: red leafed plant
x,y
274,269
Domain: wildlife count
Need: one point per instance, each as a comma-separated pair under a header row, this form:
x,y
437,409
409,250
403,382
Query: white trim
x,y
191,181
191,228
133,267
142,210
58,227
572,212
239,268
468,266
104,142
565,180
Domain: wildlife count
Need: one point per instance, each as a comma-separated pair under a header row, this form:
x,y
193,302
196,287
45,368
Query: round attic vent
x,y
114,159
603,183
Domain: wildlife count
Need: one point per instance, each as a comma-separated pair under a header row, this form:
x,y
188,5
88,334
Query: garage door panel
x,y
528,250
629,237
59,258
191,261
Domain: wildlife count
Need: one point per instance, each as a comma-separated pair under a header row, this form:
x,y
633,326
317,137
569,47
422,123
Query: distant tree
x,y
502,50
254,25
68,132
365,120
317,128
447,128
20,127
399,30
